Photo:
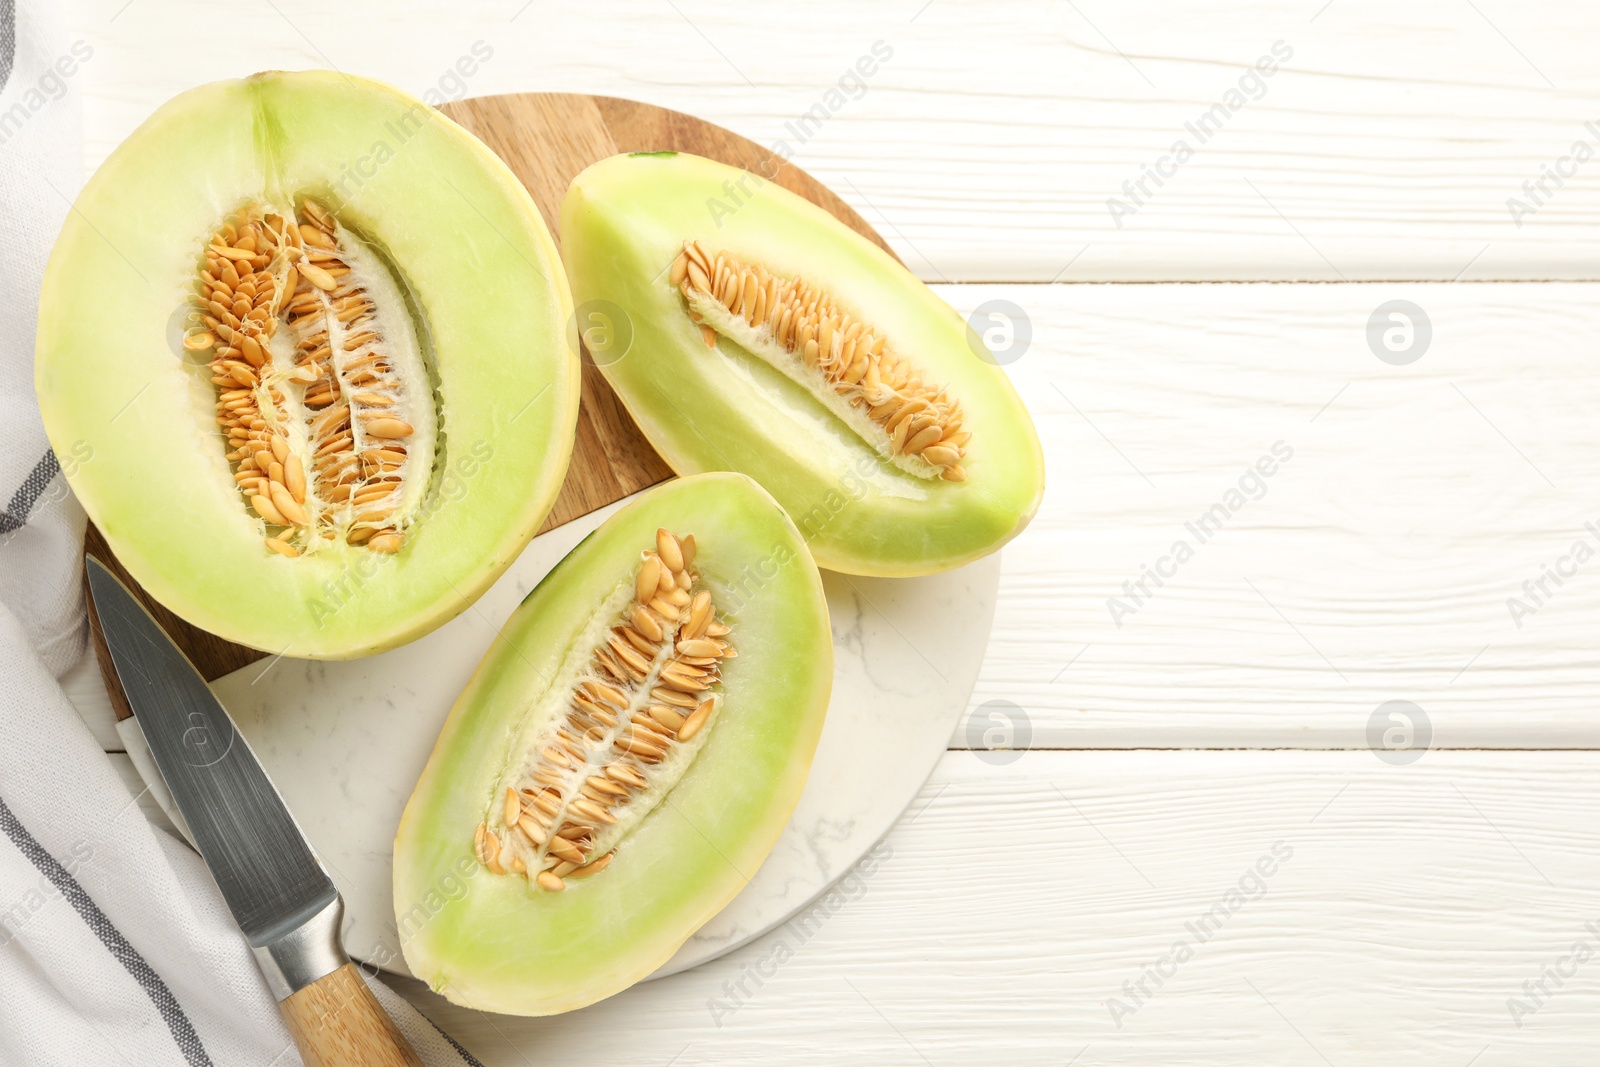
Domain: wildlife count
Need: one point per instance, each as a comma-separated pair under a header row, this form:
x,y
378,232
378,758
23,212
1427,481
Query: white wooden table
x,y
1201,747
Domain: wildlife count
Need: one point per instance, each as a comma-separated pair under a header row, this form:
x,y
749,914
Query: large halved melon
x,y
312,338
625,757
770,339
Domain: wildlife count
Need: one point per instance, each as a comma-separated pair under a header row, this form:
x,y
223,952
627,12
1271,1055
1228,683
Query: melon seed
x,y
693,723
281,548
618,728
809,335
591,868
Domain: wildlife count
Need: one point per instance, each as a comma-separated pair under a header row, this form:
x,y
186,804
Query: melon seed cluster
x,y
317,447
646,693
915,419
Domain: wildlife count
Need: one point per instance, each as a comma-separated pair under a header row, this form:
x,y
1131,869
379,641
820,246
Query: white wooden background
x,y
1019,907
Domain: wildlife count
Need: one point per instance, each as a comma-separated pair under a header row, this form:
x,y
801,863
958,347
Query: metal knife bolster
x,y
310,951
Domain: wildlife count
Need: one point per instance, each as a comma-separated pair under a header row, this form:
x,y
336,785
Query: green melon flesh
x,y
498,943
482,285
625,220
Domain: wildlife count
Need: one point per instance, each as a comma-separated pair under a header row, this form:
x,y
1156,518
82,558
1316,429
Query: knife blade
x,y
278,891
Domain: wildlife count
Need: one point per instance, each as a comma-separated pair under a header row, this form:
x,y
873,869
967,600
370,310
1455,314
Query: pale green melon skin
x,y
623,222
495,943
482,267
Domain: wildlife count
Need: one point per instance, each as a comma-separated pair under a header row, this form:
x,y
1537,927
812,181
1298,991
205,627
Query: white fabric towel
x,y
115,946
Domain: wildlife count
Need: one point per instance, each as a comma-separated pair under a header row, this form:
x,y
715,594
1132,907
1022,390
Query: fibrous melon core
x,y
809,336
626,719
329,421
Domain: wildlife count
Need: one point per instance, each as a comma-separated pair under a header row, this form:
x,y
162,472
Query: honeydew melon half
x,y
529,925
896,443
306,342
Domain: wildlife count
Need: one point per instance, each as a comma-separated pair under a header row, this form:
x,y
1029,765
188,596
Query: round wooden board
x,y
546,139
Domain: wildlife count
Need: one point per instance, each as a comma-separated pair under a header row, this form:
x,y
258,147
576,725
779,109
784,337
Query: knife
x,y
279,893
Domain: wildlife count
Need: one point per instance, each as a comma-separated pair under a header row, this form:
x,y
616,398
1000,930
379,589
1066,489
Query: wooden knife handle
x,y
337,1022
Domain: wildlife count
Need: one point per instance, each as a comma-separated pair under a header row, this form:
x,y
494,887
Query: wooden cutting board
x,y
546,139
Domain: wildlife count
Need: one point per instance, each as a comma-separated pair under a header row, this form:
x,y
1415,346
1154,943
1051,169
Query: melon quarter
x,y
307,341
624,758
770,339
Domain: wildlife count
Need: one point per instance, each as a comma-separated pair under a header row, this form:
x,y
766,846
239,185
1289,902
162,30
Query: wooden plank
x,y
989,142
1382,914
1379,562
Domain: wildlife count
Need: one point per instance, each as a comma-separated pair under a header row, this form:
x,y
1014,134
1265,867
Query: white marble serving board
x,y
345,741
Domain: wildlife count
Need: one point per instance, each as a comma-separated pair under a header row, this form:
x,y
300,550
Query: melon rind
x,y
475,258
623,222
496,943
